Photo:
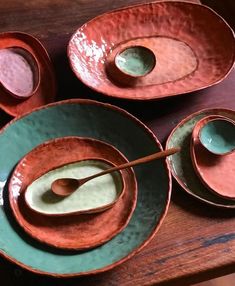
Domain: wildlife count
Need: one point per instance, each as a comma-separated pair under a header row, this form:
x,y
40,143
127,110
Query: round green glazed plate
x,y
84,118
181,164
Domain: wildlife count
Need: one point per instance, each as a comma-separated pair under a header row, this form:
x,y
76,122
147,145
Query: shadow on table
x,y
197,207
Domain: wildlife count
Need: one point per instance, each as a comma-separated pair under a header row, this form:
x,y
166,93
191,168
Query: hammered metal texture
x,y
194,49
70,231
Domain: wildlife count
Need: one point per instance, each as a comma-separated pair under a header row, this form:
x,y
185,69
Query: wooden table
x,y
196,242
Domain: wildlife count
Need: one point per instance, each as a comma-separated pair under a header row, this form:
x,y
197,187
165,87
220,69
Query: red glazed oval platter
x,y
194,49
45,90
216,172
71,231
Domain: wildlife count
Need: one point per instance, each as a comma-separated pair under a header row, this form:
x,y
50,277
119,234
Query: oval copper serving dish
x,y
194,49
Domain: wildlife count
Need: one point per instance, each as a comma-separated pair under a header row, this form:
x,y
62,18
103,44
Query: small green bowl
x,y
135,61
217,135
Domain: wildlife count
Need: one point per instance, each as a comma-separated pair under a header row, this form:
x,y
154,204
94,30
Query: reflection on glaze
x,y
97,193
16,73
218,136
2,185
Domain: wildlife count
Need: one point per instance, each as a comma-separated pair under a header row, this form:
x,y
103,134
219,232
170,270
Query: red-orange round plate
x,y
71,231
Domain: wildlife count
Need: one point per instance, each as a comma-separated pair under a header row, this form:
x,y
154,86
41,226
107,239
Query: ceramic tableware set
x,y
207,156
145,57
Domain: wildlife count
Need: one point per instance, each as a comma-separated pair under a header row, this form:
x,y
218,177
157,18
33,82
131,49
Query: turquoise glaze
x,y
218,136
89,119
135,61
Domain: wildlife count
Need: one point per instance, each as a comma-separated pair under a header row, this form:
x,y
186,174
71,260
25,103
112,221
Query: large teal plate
x,y
100,121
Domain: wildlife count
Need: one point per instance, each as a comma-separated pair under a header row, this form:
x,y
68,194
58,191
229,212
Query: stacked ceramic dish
x,y
174,50
27,77
41,149
153,51
205,165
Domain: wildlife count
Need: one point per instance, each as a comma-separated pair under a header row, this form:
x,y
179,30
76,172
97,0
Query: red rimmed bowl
x,y
44,86
71,231
194,49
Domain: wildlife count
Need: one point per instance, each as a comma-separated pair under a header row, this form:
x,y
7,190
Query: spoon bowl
x,y
217,135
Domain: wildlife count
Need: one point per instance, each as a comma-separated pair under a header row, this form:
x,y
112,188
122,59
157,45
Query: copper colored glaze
x,y
71,231
155,228
204,112
194,49
216,172
45,91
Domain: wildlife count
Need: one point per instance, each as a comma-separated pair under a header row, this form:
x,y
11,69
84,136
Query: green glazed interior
x,y
218,136
135,61
181,162
88,120
97,193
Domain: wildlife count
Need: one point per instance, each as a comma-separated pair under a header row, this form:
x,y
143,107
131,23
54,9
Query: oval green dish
x,y
181,164
84,118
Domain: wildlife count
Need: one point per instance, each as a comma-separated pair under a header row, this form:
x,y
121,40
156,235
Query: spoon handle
x,y
139,161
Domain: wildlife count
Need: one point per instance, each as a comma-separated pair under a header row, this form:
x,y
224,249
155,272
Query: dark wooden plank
x,y
195,242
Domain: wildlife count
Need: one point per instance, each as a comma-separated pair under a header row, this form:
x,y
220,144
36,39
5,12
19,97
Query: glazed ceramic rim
x,y
162,216
93,210
98,90
179,181
108,237
50,65
208,120
103,160
38,73
150,52
194,160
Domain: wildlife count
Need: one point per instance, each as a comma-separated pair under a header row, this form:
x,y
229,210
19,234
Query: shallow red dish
x,y
45,91
71,231
216,172
194,49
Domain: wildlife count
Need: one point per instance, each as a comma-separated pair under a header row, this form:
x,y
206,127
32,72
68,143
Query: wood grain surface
x,y
196,242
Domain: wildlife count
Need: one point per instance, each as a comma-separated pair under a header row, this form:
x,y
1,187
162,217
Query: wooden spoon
x,y
66,186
